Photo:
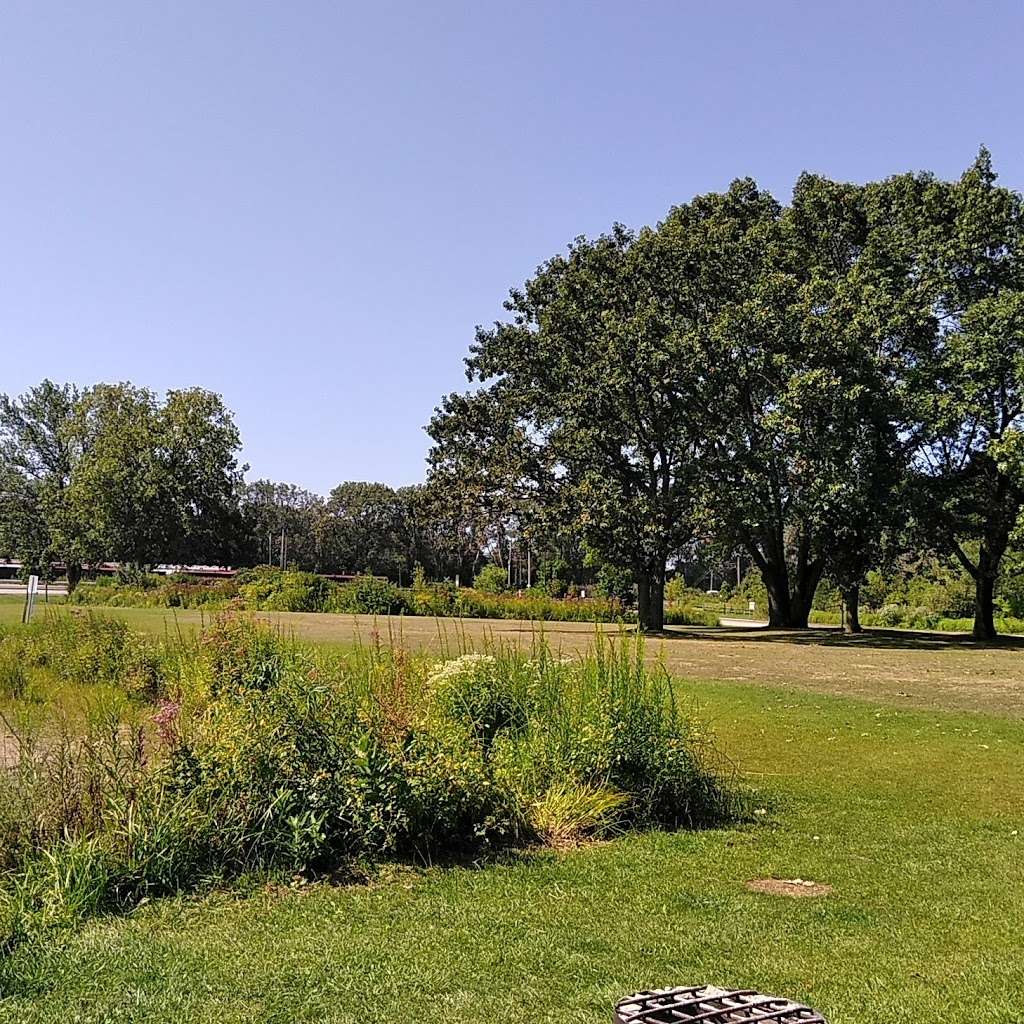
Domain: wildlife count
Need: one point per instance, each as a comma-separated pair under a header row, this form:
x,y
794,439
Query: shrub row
x,y
245,752
268,589
901,617
688,615
83,648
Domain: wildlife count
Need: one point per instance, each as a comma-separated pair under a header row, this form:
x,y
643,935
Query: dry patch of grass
x,y
922,670
795,888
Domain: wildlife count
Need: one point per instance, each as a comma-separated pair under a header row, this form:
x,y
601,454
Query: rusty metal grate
x,y
712,1006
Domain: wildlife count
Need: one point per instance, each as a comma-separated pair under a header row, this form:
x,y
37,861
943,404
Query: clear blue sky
x,y
308,206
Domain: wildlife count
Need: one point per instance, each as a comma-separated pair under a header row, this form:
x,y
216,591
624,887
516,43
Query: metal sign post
x,y
30,598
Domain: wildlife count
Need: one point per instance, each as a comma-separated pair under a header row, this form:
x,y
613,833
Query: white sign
x,y
752,605
30,597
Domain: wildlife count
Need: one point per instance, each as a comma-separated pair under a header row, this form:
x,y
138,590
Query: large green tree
x,y
737,372
439,537
813,316
39,450
864,319
588,411
972,414
367,530
154,482
112,473
270,511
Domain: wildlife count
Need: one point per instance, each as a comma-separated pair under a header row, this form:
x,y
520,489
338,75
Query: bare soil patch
x,y
795,888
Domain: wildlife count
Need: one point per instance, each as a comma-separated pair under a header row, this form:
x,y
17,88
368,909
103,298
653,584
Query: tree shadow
x,y
833,637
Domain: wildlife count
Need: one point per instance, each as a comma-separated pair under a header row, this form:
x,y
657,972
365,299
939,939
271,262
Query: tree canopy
x,y
110,472
777,378
824,387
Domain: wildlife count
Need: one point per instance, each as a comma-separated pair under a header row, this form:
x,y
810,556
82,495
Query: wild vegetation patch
x,y
239,751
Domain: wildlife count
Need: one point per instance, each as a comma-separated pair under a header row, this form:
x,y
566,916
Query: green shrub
x,y
614,582
368,595
568,812
85,648
920,618
13,667
436,599
111,594
191,593
685,615
889,615
949,625
277,590
158,592
678,592
897,617
535,606
269,589
481,694
827,618
1006,625
491,579
239,654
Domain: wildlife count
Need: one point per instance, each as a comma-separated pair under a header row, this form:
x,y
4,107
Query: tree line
x,y
824,385
828,387
114,473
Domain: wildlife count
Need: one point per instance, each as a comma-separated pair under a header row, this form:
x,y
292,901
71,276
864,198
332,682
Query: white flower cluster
x,y
462,667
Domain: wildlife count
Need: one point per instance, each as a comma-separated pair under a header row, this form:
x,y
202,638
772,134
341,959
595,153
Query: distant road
x,y
739,623
16,588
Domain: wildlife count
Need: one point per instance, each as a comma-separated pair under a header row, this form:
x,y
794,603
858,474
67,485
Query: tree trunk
x,y
790,608
643,601
74,574
650,600
851,598
657,604
779,610
984,607
990,554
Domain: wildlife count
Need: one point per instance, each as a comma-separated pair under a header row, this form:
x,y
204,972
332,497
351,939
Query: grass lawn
x,y
923,670
10,609
916,818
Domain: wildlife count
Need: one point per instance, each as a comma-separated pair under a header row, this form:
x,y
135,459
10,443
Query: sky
x,y
308,206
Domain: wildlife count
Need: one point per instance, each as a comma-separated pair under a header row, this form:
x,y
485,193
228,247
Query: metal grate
x,y
712,1006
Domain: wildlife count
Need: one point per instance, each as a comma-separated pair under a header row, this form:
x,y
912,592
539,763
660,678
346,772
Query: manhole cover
x,y
712,1006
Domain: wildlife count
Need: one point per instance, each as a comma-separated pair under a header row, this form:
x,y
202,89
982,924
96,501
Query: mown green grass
x,y
10,609
910,815
922,670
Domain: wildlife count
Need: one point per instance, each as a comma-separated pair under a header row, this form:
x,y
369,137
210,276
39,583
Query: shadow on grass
x,y
834,637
